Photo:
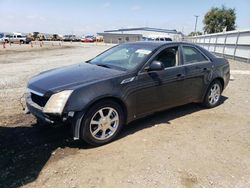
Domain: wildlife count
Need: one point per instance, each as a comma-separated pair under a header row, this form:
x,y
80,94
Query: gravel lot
x,y
186,146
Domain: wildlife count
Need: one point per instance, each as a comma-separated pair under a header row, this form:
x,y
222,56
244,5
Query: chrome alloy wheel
x,y
104,123
214,94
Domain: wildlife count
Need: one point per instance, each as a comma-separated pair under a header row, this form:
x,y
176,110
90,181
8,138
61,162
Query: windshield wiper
x,y
111,67
103,65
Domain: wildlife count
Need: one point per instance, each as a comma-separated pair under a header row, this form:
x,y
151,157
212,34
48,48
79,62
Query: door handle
x,y
179,76
202,69
206,70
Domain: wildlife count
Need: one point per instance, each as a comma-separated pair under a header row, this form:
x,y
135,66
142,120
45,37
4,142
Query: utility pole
x,y
196,19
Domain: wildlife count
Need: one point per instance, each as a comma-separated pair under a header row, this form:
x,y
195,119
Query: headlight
x,y
57,102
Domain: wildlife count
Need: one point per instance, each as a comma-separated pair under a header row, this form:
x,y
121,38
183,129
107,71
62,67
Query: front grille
x,y
39,100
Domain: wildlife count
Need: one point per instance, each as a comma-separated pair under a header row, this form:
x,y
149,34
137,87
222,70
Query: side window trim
x,y
183,57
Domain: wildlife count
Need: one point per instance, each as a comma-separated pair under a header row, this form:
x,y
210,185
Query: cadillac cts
x,y
124,83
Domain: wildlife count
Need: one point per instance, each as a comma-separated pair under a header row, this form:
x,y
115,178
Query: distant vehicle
x,y
28,39
99,39
17,38
88,39
72,38
157,39
56,37
4,38
124,83
163,39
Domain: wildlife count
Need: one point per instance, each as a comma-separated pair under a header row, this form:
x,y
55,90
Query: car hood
x,y
70,77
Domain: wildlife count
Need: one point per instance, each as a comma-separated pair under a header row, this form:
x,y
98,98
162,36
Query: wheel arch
x,y
215,78
220,80
76,126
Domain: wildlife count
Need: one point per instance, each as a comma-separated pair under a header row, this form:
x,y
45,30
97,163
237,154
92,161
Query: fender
x,y
83,98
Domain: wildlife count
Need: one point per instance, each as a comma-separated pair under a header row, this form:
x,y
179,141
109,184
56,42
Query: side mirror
x,y
155,66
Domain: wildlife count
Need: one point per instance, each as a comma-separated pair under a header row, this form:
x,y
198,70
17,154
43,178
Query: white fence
x,y
232,44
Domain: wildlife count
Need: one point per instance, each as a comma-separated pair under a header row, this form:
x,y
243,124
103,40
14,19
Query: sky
x,y
84,17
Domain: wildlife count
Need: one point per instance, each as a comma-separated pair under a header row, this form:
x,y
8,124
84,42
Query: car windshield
x,y
1,35
124,57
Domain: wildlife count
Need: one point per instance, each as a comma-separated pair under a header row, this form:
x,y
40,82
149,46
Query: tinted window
x,y
191,55
168,57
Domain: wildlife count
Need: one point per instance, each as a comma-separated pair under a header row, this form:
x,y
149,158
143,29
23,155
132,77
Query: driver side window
x,y
168,57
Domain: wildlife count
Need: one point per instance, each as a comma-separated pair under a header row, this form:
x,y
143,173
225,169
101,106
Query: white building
x,y
142,33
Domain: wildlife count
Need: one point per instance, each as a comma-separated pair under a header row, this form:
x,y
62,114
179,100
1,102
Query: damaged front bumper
x,y
69,117
37,111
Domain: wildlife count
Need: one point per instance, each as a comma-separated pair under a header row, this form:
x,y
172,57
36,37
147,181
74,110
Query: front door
x,y
158,90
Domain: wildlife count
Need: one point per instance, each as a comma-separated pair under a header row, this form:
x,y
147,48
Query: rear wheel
x,y
102,123
213,95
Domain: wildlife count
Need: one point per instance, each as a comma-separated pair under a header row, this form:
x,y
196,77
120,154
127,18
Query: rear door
x,y
198,70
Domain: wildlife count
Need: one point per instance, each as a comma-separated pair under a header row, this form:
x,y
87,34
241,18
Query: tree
x,y
195,33
219,19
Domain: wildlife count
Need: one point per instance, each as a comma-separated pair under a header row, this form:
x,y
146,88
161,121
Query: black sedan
x,y
124,83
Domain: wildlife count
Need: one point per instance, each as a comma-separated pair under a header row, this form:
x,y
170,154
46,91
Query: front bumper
x,y
72,118
37,111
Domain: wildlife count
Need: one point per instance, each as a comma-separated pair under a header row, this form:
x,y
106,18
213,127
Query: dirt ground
x,y
188,146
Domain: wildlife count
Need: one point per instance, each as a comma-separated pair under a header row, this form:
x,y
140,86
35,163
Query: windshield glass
x,y
124,57
1,35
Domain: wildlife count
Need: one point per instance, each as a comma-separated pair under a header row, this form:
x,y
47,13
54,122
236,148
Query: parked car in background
x,y
88,39
124,83
72,38
2,40
99,38
156,39
28,39
4,37
17,38
163,39
56,37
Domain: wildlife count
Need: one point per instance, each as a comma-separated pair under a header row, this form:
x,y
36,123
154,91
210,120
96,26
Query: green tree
x,y
195,33
219,19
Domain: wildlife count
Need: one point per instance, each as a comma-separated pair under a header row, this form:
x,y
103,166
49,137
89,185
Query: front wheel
x,y
213,95
102,123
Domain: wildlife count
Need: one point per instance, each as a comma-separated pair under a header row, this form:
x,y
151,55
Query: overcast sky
x,y
91,16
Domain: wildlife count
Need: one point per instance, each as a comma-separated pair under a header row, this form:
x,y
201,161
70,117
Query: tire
x,y
213,95
21,41
102,123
